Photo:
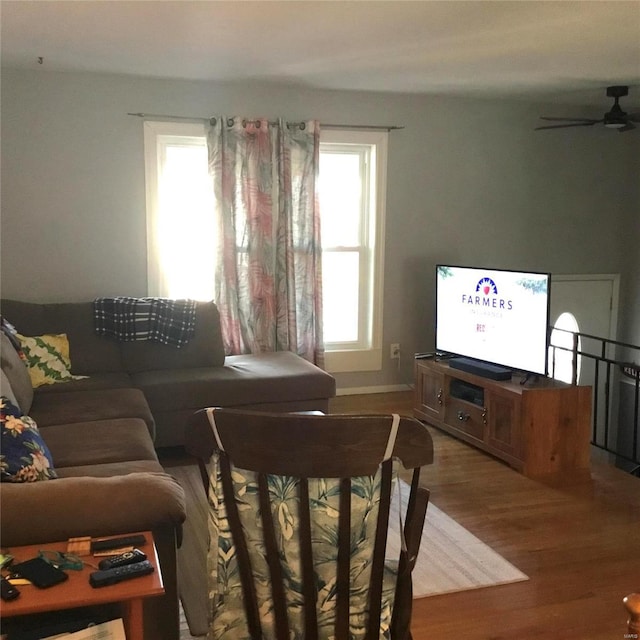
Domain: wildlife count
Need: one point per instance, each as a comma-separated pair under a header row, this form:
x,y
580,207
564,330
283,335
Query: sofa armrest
x,y
54,510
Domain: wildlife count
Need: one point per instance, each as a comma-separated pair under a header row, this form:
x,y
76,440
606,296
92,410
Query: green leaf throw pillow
x,y
48,359
25,456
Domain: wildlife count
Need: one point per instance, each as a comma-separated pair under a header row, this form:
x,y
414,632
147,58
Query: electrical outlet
x,y
395,351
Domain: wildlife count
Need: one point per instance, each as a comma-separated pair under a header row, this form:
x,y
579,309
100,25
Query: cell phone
x,y
40,573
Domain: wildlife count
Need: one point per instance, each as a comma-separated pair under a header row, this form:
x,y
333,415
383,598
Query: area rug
x,y
450,559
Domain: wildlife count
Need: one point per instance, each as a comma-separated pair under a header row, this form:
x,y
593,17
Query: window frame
x,y
155,133
366,355
339,357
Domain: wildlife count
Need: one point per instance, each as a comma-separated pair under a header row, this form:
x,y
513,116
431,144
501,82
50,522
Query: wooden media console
x,y
541,428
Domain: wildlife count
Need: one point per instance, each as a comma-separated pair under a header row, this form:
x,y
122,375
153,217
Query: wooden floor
x,y
579,544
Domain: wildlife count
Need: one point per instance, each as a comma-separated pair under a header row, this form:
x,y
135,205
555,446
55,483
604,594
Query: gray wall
x,y
469,182
630,286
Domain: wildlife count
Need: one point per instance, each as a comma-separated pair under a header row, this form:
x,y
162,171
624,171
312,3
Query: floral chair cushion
x,y
227,616
25,456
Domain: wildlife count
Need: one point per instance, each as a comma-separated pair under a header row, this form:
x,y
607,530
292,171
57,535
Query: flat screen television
x,y
494,316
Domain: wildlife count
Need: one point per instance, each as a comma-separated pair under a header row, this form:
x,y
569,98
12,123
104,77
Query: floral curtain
x,y
268,271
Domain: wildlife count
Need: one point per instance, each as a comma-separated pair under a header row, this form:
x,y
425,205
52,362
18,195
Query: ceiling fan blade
x,y
627,127
564,126
586,120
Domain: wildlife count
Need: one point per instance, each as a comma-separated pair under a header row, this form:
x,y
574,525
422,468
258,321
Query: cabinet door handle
x,y
484,415
439,396
463,417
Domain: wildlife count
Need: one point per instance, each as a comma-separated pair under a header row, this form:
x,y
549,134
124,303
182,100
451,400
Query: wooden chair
x,y
299,514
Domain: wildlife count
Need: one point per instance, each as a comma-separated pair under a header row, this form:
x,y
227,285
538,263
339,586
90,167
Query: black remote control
x,y
119,574
7,590
116,543
128,557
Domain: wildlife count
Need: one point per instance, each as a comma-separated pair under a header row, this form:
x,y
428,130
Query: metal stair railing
x,y
616,391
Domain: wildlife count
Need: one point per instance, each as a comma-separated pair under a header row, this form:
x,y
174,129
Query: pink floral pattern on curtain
x,y
268,271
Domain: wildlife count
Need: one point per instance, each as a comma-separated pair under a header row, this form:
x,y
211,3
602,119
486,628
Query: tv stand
x,y
542,429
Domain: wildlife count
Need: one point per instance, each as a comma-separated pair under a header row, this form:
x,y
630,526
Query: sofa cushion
x,y
17,374
25,456
205,349
89,352
47,358
92,506
108,380
86,406
111,469
248,379
99,442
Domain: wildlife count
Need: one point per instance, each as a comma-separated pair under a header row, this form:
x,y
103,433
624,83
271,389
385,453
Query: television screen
x,y
493,315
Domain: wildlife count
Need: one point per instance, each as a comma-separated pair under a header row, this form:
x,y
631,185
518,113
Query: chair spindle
x,y
273,561
379,547
306,562
344,560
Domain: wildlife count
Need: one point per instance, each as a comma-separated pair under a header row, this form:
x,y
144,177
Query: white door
x,y
592,300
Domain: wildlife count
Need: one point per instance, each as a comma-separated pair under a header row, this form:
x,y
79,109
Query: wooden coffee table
x,y
76,592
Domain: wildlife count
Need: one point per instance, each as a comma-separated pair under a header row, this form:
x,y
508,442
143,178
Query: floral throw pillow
x,y
47,358
25,456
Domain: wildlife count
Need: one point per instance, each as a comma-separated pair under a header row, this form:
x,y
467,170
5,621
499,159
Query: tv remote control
x,y
116,543
128,557
119,574
7,591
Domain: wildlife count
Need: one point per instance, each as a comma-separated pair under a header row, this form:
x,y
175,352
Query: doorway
x,y
592,300
588,304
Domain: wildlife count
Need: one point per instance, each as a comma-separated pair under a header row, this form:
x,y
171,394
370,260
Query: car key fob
x,y
7,591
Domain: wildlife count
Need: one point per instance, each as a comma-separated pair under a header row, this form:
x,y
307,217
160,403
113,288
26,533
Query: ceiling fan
x,y
615,118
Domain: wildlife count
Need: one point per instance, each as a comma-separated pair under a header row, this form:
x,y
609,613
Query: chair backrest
x,y
315,537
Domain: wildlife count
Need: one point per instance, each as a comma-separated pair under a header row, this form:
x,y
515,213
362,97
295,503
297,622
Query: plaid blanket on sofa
x,y
170,322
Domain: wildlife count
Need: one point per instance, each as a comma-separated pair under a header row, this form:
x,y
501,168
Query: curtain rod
x,y
371,127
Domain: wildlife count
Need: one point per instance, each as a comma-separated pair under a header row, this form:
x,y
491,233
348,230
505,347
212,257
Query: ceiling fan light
x,y
613,124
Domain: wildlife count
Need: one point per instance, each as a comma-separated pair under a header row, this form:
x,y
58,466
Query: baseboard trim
x,y
389,388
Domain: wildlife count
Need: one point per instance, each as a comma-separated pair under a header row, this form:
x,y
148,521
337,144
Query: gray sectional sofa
x,y
175,382
108,479
103,430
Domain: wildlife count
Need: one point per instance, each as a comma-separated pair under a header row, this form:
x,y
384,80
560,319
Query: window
x,y
561,360
180,222
181,231
352,182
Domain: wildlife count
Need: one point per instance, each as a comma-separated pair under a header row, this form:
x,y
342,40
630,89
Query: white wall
x,y
470,182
